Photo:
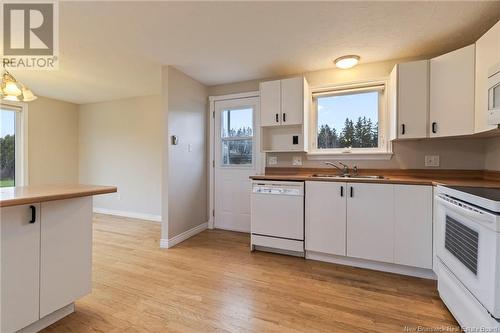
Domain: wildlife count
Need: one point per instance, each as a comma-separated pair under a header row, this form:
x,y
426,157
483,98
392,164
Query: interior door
x,y
237,157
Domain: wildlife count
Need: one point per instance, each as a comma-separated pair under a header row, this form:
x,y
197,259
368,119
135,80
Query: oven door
x,y
467,245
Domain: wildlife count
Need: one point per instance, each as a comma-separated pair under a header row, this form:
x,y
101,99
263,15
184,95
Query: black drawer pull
x,y
284,117
277,118
341,191
403,129
33,214
434,127
352,192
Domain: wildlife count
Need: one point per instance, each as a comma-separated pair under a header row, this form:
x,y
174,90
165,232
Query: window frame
x,y
21,144
238,138
384,149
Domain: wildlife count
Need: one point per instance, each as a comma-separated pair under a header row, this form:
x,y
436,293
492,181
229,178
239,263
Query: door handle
x,y
277,118
284,117
403,129
352,192
33,214
434,127
341,191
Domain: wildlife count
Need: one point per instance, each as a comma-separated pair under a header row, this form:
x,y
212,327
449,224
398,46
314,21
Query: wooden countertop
x,y
473,178
21,195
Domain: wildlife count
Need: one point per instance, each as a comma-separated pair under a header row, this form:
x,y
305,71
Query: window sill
x,y
326,155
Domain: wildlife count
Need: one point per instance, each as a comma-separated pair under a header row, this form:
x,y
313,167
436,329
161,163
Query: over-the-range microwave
x,y
494,95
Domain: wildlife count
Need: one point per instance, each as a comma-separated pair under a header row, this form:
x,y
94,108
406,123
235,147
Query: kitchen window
x,y
237,137
350,121
12,145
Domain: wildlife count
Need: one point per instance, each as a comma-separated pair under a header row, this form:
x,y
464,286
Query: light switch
x,y
272,160
190,147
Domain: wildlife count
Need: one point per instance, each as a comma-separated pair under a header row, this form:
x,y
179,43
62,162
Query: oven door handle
x,y
481,215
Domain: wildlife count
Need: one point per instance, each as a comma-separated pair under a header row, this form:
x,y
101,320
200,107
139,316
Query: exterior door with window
x,y
237,157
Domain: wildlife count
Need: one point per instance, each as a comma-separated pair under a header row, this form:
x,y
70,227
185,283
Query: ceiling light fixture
x,y
11,90
347,61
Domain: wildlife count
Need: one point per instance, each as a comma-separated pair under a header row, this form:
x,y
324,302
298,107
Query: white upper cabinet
x,y
270,103
284,102
452,93
487,57
325,217
413,225
20,266
409,100
370,221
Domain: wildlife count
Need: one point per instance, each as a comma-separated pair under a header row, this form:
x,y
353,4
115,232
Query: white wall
x,y
492,154
52,142
185,188
120,144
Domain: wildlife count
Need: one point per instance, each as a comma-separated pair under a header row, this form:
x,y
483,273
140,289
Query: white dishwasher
x,y
277,216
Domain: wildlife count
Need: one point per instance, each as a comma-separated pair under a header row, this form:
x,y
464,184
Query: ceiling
x,y
112,50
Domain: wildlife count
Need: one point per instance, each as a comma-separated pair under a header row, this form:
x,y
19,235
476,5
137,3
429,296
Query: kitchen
x,y
356,193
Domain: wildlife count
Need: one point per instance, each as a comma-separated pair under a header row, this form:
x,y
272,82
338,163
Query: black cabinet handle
x,y
434,130
341,191
403,129
277,118
352,192
284,117
33,214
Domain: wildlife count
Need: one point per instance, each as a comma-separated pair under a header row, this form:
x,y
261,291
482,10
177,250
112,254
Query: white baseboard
x,y
168,243
375,265
140,216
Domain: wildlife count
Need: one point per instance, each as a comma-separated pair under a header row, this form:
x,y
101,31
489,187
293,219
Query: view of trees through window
x,y
7,148
349,120
236,135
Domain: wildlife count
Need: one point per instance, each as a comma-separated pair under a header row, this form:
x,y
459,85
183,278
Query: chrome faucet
x,y
344,169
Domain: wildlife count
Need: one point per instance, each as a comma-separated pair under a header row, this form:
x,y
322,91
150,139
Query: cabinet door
x,y
413,225
325,217
452,93
487,56
66,252
270,103
413,99
370,221
20,267
292,101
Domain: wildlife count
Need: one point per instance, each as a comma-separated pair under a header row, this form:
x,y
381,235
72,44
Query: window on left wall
x,y
12,160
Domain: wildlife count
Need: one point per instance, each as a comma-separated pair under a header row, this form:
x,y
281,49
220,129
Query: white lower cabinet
x,y
413,225
370,221
379,222
20,266
66,253
45,259
325,216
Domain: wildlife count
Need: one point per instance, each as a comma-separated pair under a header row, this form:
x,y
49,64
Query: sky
x,y
240,118
7,122
333,110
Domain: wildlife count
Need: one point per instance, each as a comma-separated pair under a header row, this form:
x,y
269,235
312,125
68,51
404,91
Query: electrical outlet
x,y
272,160
190,147
297,160
432,160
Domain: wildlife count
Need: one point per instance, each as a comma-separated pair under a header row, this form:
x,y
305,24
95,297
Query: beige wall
x,y
492,156
52,142
120,144
185,189
454,153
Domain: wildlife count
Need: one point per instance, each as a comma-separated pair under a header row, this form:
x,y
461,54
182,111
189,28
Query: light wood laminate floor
x,y
213,283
